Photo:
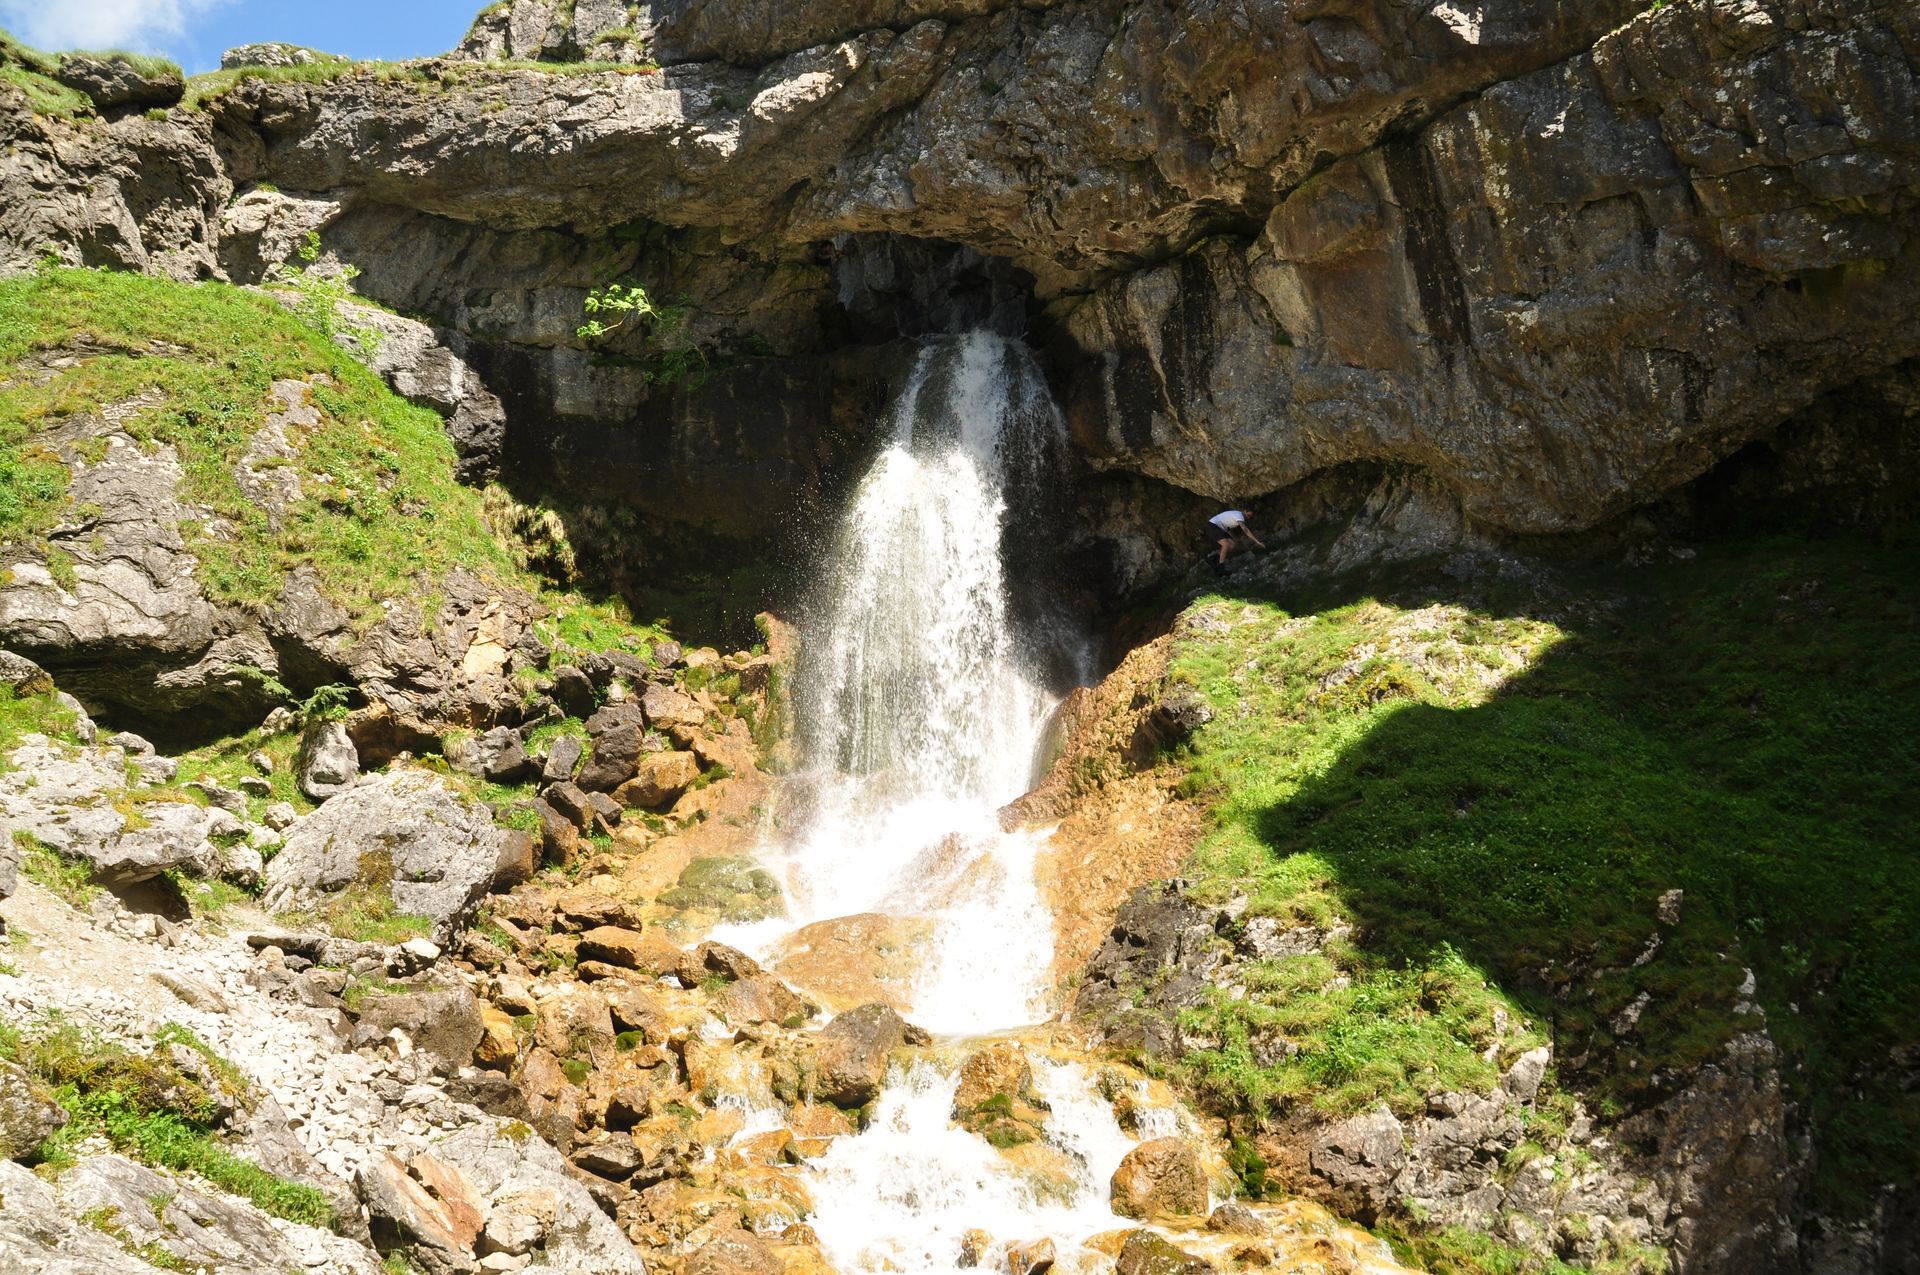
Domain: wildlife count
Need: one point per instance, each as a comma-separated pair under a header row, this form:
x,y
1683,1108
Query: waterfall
x,y
920,699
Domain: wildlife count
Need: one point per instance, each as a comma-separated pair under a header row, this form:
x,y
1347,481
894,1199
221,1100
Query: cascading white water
x,y
920,705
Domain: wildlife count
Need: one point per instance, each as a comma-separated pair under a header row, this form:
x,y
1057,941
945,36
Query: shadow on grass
x,y
1740,727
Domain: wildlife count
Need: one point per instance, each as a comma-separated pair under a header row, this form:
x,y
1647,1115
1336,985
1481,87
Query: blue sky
x,y
193,32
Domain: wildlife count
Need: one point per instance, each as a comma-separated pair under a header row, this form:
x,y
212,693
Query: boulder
x,y
559,834
734,1253
444,1023
499,1046
1030,1257
426,1206
327,761
572,802
1161,1178
270,53
851,1052
562,759
999,1070
169,835
518,860
23,675
659,779
406,832
1146,1253
727,888
116,84
1235,1218
499,755
615,757
584,908
573,692
615,945
667,708
28,1114
762,998
713,960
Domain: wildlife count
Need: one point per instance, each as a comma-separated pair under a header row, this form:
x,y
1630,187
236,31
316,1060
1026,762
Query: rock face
x,y
1708,1173
115,84
1531,256
405,833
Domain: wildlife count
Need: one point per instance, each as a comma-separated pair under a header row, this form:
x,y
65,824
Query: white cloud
x,y
101,24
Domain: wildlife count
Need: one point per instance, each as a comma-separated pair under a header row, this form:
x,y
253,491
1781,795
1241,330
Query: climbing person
x,y
1220,532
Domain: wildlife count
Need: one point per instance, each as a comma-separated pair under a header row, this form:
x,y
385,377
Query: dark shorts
x,y
1213,535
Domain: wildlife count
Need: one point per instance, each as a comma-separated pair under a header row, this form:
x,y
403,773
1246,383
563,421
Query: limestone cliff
x,y
1559,258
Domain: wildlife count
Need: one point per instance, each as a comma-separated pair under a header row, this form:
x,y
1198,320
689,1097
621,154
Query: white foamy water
x,y
920,703
901,1195
921,708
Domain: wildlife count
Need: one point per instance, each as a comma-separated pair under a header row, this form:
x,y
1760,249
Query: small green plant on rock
x,y
626,303
319,293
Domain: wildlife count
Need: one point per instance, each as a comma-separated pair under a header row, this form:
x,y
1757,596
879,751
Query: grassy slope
x,y
381,509
1738,727
383,516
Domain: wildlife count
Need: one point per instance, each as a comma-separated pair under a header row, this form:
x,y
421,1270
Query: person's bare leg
x,y
1225,546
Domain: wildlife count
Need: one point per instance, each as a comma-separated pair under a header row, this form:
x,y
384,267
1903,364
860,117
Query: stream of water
x,y
922,702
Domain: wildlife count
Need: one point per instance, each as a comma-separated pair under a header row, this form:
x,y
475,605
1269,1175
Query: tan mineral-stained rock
x,y
1001,1069
658,780
856,960
1158,1179
499,1045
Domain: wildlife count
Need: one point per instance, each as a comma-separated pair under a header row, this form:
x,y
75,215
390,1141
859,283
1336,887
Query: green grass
x,y
31,71
70,879
145,64
1738,727
22,715
391,514
148,1109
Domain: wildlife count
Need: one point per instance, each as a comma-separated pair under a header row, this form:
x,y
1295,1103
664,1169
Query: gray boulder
x,y
199,1230
443,1023
327,761
406,832
171,835
270,53
28,1115
115,84
23,675
499,755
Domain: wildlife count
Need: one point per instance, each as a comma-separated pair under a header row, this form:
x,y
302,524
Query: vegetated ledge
x,y
1649,815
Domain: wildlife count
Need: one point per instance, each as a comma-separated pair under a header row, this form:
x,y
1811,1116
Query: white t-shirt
x,y
1229,520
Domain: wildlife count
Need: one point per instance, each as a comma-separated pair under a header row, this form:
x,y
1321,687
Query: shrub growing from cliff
x,y
1501,786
